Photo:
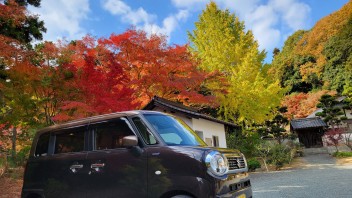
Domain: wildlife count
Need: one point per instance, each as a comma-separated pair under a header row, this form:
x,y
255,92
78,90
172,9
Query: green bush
x,y
245,141
20,158
342,154
22,155
279,155
2,162
253,164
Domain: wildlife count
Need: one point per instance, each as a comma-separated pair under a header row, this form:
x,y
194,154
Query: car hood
x,y
200,152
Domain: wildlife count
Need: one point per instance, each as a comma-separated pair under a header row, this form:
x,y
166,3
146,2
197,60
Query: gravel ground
x,y
319,176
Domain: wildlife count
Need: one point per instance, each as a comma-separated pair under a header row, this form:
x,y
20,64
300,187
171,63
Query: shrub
x,y
279,155
2,161
334,136
342,154
20,158
245,141
253,164
263,150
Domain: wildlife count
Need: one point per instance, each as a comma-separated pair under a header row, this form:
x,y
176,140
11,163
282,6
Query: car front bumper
x,y
234,186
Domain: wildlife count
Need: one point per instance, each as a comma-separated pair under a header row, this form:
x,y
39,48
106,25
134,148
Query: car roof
x,y
94,119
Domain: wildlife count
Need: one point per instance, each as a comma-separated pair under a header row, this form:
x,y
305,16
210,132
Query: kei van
x,y
131,154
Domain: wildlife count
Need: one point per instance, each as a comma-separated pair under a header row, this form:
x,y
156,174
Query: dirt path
x,y
10,188
11,183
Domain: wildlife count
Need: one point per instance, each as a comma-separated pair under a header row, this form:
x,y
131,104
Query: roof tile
x,y
307,123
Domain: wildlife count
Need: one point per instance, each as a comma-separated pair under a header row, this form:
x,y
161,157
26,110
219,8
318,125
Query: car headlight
x,y
217,163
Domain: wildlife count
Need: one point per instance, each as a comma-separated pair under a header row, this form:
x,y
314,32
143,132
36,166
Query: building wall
x,y
207,127
210,129
348,113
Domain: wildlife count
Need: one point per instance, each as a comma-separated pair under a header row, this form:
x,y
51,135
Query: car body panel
x,y
158,170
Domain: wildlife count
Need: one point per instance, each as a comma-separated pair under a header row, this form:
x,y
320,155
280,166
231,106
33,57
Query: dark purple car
x,y
131,154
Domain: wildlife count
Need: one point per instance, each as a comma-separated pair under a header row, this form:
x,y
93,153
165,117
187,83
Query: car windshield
x,y
174,131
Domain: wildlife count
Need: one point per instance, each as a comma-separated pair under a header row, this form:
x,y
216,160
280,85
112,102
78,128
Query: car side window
x,y
109,135
42,145
144,131
70,140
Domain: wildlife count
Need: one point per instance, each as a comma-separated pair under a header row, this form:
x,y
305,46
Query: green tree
x,y
332,114
276,127
338,53
313,42
243,89
319,57
286,67
18,107
17,23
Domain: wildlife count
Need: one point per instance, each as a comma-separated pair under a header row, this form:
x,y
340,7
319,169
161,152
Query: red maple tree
x,y
95,81
300,105
333,137
155,68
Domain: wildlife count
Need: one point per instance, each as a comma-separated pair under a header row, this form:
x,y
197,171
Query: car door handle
x,y
97,166
74,167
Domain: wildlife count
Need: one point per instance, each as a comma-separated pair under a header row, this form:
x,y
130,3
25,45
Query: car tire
x,y
181,196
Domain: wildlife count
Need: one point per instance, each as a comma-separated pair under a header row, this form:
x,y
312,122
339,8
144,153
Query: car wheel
x,y
181,196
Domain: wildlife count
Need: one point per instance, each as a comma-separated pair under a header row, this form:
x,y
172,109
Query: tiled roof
x,y
306,123
178,107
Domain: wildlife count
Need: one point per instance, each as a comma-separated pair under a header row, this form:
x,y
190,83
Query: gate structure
x,y
309,131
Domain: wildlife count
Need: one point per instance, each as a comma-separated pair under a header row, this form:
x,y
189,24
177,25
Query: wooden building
x,y
211,130
309,131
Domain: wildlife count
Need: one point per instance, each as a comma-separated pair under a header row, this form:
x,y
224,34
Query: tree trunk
x,y
266,166
14,138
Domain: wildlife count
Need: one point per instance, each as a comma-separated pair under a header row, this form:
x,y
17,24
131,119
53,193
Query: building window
x,y
200,134
215,141
208,141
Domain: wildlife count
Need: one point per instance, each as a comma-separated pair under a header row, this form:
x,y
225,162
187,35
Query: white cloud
x,y
189,4
241,7
62,17
134,17
116,7
141,19
269,20
169,24
294,13
138,16
182,15
263,19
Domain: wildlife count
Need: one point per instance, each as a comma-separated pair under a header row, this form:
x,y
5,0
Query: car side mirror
x,y
129,141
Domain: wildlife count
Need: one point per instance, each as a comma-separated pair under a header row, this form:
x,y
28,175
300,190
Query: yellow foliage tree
x,y
244,91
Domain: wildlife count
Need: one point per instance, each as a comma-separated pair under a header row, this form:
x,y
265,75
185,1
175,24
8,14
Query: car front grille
x,y
236,163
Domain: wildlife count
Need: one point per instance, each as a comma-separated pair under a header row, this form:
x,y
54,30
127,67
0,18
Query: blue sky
x,y
271,21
